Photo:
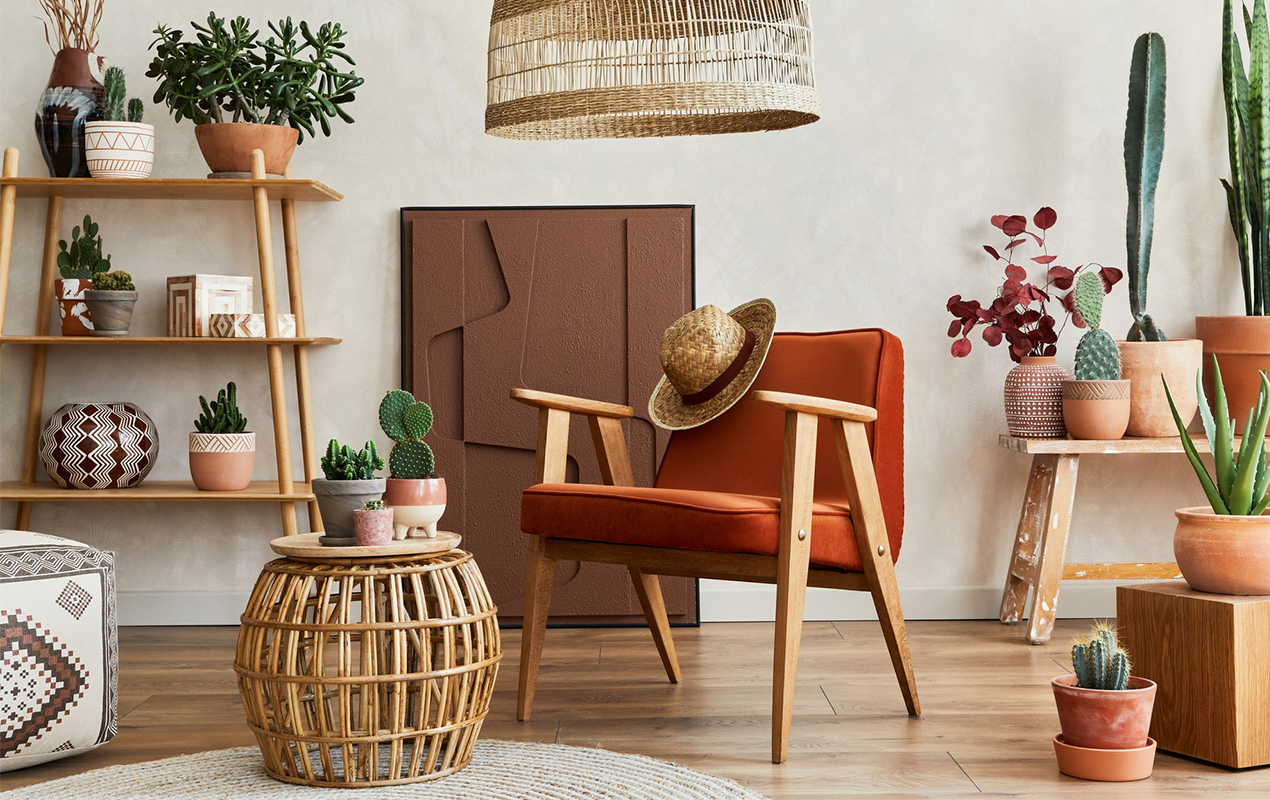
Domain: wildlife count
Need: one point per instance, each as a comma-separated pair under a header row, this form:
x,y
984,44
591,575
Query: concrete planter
x,y
337,501
111,312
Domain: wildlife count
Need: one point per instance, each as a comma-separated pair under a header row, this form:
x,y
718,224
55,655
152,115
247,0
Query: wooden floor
x,y
989,712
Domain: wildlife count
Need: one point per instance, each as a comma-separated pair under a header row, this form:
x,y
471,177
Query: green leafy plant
x,y
1143,152
406,422
1099,661
119,281
1241,478
373,505
1097,356
224,72
343,463
116,107
82,259
222,414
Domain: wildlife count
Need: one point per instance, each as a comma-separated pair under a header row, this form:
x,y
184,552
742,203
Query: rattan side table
x,y
358,672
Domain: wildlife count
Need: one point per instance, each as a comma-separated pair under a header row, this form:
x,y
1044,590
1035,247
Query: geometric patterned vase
x,y
59,656
1034,399
119,149
99,446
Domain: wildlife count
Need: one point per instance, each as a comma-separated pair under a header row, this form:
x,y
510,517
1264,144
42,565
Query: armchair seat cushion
x,y
685,519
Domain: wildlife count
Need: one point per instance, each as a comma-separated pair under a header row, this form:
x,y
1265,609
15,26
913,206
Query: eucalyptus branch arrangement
x,y
71,23
225,72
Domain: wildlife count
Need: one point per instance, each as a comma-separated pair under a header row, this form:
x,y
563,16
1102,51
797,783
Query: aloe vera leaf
x,y
1259,495
1241,499
1143,152
1210,491
1222,444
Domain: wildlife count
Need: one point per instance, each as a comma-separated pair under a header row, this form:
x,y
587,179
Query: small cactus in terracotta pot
x,y
1096,403
372,524
413,488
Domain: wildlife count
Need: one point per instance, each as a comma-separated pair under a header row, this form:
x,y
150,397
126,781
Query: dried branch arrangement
x,y
73,23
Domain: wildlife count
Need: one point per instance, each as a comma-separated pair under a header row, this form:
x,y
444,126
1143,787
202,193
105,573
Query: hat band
x,y
720,383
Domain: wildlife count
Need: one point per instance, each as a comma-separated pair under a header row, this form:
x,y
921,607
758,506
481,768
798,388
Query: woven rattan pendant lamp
x,y
583,69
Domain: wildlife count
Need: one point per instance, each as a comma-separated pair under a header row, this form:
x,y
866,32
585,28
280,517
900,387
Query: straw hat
x,y
710,359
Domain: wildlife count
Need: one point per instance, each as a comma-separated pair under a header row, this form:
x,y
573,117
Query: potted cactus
x,y
1226,548
373,524
77,263
1104,712
1147,352
349,484
415,493
119,145
1096,403
110,302
222,450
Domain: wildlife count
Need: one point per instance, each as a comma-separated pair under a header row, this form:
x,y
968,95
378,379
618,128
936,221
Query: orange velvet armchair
x,y
800,484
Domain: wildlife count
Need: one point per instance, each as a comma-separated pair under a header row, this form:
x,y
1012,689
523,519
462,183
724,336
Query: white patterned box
x,y
193,299
248,326
59,662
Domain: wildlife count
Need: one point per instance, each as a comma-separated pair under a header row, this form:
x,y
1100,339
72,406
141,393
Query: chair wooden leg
x,y
648,588
886,599
539,578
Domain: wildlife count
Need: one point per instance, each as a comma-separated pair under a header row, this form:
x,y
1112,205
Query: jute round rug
x,y
499,771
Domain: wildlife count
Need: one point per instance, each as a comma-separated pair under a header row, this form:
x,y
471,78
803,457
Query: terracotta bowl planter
x,y
1223,554
222,462
227,146
1034,399
71,307
1242,347
119,149
1104,719
373,526
417,503
1105,765
1142,363
1096,409
337,500
111,311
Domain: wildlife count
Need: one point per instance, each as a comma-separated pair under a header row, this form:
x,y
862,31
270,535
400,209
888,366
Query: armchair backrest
x,y
741,452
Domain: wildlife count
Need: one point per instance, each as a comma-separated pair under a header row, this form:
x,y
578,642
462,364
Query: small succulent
x,y
116,107
406,422
343,463
222,414
1097,356
1099,661
373,505
82,259
113,282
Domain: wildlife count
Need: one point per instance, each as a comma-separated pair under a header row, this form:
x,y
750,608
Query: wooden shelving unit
x,y
258,189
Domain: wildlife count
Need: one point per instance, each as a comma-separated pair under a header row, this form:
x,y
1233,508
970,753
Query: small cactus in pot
x,y
77,262
349,483
1096,404
373,524
222,450
110,303
1101,705
413,490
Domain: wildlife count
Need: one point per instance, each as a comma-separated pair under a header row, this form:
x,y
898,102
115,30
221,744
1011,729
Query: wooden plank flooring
x,y
988,710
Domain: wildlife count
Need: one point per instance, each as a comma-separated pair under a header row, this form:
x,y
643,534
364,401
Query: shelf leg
x,y
304,396
1053,549
8,204
1027,541
277,384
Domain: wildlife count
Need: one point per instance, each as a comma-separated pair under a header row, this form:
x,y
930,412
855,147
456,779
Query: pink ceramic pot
x,y
417,505
1104,719
373,526
1223,554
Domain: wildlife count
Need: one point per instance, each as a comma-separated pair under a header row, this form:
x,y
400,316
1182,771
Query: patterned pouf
x,y
59,657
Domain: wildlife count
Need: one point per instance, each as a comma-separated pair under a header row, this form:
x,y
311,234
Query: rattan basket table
x,y
358,672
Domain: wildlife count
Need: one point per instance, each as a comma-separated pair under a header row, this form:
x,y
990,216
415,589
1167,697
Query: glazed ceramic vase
x,y
71,307
1096,409
337,500
99,446
1223,554
1104,719
119,149
222,462
1142,364
373,526
72,98
227,146
1034,399
111,311
1242,347
417,505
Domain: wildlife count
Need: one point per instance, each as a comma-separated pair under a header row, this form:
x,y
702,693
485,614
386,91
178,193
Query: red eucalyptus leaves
x,y
1019,314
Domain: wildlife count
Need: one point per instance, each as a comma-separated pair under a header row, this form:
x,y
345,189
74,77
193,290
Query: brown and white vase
x,y
1034,399
72,307
73,97
119,149
99,446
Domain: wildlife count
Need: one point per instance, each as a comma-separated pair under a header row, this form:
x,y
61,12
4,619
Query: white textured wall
x,y
936,115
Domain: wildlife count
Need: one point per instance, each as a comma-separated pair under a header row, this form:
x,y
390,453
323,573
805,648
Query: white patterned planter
x,y
248,326
119,149
193,299
99,446
1034,399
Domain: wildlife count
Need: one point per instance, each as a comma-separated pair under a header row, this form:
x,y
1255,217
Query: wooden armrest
x,y
575,405
821,407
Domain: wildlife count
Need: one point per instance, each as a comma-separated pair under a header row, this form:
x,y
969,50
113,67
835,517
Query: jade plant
x,y
343,463
116,107
1097,356
1099,661
1241,477
82,258
373,505
119,281
1143,152
222,414
406,422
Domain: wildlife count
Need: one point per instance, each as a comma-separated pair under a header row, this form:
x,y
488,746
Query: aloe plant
x,y
1241,478
1143,152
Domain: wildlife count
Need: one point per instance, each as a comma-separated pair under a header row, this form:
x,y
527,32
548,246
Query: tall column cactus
x,y
1097,356
1099,661
1143,152
406,422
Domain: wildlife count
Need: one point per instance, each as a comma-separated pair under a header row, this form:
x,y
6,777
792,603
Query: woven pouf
x,y
369,671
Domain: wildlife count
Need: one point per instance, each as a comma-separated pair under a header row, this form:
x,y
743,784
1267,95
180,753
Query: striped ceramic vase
x,y
99,446
1034,399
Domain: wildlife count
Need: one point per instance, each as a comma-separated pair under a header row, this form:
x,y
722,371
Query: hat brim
x,y
667,408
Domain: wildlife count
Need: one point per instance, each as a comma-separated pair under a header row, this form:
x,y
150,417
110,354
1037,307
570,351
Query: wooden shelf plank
x,y
167,340
1100,447
152,491
171,188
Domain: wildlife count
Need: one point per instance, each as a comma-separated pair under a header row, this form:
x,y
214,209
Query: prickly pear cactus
x,y
1089,293
391,409
411,458
1097,357
417,420
406,422
1099,661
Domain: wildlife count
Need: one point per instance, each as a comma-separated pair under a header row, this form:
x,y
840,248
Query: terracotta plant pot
x,y
1034,399
417,504
111,311
1090,764
71,308
1142,364
1104,719
1223,554
373,526
1242,347
337,500
119,149
73,97
1096,409
222,462
227,146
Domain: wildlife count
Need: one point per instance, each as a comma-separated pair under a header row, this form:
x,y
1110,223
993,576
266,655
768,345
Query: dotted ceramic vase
x,y
99,446
1034,399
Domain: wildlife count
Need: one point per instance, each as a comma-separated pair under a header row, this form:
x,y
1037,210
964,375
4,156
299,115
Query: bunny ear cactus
x,y
1099,661
406,422
1097,356
1143,153
82,258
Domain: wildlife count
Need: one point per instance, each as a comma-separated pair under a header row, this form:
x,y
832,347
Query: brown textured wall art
x,y
568,300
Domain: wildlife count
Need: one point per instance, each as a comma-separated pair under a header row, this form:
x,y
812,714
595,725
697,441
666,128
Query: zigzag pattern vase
x,y
119,149
99,446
